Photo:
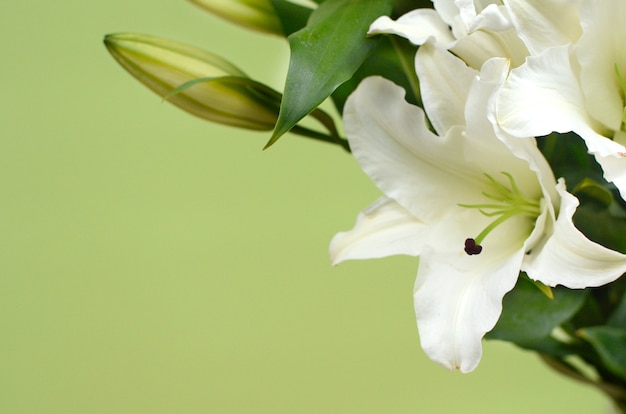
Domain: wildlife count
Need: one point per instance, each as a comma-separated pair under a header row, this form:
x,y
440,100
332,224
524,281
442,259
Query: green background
x,y
155,263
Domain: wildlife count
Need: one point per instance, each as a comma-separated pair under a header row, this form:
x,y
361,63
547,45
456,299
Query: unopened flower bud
x,y
253,14
196,81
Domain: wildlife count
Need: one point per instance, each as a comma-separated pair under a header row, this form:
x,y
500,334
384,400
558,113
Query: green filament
x,y
509,202
622,84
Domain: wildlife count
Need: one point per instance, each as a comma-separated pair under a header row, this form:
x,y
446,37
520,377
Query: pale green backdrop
x,y
154,263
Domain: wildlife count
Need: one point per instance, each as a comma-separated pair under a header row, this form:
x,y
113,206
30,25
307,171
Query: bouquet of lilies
x,y
495,131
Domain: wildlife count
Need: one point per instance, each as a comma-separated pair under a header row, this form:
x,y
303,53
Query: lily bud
x,y
196,81
253,14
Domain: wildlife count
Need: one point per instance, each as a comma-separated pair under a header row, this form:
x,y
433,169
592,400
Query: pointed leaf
x,y
593,189
529,316
392,59
292,17
401,7
601,225
325,54
618,317
568,157
610,344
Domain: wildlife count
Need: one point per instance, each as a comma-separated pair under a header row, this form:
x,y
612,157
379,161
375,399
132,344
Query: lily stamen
x,y
511,203
472,248
622,84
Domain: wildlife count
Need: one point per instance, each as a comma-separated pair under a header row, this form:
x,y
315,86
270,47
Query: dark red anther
x,y
472,248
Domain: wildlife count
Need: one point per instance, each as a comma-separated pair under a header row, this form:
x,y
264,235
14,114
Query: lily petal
x,y
569,258
438,69
542,24
416,26
466,16
483,99
458,298
480,135
599,50
478,47
394,147
383,229
450,13
490,16
542,96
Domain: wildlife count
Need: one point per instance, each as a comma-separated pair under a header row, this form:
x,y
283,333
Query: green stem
x,y
325,120
309,133
616,393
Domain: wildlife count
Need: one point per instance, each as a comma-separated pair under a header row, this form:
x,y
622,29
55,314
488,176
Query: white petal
x,y
416,26
444,85
383,229
569,258
428,175
491,17
467,11
458,298
542,96
467,16
450,13
543,24
512,156
599,49
478,47
479,104
536,168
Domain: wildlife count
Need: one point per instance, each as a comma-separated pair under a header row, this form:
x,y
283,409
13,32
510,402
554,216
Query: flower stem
x,y
309,133
616,393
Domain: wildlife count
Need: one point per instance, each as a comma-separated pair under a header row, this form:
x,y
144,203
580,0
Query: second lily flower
x,y
477,206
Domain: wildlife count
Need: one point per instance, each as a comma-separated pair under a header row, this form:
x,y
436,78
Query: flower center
x,y
507,202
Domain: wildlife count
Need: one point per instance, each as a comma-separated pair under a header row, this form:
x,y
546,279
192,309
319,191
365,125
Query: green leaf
x,y
401,7
325,54
292,17
610,344
593,189
601,215
568,157
529,316
251,95
391,59
601,225
618,317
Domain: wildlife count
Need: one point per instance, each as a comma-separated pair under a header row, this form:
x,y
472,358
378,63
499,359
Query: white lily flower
x,y
577,86
476,209
473,30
